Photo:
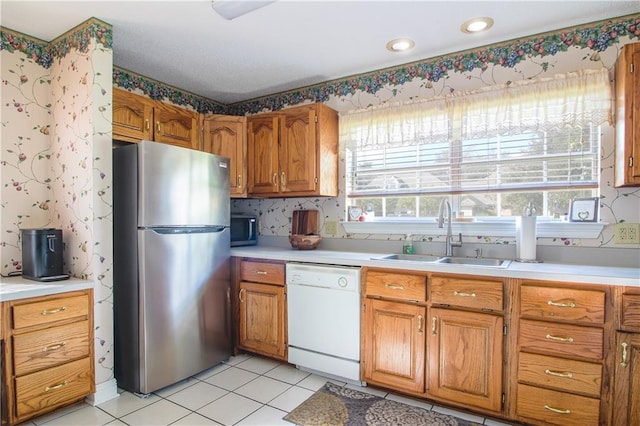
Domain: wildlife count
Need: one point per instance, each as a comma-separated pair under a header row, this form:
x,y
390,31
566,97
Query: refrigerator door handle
x,y
186,230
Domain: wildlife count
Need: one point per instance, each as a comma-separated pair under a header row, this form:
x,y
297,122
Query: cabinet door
x,y
262,318
298,150
132,116
627,158
394,345
626,388
465,358
175,126
262,151
226,135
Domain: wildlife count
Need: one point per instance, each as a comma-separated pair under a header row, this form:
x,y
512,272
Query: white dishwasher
x,y
323,307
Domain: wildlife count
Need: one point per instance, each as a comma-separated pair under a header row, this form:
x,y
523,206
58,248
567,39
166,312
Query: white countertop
x,y
14,288
539,271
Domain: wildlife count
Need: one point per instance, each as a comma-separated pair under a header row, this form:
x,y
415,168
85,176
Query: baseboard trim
x,y
104,392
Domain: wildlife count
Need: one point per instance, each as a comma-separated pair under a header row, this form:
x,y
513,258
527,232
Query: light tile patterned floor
x,y
245,390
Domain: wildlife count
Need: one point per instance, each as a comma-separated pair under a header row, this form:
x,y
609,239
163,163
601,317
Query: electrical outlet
x,y
627,233
331,227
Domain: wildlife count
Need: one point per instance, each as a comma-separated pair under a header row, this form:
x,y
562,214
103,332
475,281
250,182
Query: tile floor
x,y
245,390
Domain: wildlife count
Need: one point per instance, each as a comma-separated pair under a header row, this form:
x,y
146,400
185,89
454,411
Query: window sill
x,y
492,228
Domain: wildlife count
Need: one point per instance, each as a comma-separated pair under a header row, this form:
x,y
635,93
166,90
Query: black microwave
x,y
244,230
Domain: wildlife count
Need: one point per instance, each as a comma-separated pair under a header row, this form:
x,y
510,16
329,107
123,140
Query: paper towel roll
x,y
526,238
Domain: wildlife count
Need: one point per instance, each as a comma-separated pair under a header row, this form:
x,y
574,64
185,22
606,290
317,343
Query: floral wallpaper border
x,y
159,91
596,37
43,53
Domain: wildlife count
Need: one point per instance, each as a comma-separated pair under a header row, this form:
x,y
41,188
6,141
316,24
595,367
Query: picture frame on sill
x,y
584,210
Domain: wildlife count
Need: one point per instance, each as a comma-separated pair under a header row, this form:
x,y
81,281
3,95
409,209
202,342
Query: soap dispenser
x,y
407,248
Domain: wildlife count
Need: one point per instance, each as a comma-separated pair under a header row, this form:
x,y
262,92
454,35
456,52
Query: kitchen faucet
x,y
450,244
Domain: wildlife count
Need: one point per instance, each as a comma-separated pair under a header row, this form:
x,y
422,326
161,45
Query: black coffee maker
x,y
42,254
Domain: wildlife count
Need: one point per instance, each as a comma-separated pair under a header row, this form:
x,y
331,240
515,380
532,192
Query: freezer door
x,y
184,303
181,186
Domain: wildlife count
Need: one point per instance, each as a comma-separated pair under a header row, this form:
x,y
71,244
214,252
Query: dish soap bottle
x,y
407,248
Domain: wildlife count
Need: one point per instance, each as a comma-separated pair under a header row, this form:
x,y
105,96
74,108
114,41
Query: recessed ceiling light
x,y
400,45
476,25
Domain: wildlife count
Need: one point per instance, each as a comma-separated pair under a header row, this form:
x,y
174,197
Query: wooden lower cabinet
x,y
563,368
261,307
556,407
47,354
626,387
465,358
395,345
262,318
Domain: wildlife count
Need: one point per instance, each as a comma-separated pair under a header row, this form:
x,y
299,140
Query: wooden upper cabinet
x,y
175,126
627,154
137,117
262,149
227,136
294,152
298,151
132,116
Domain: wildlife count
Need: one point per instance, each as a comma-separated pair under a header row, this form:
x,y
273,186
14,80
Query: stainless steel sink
x,y
473,261
411,257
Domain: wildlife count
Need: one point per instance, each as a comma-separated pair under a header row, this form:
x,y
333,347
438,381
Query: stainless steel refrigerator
x,y
171,267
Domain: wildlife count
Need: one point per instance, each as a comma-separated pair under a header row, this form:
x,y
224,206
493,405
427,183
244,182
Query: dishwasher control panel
x,y
326,276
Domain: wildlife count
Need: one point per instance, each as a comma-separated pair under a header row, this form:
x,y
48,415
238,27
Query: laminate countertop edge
x,y
15,288
588,274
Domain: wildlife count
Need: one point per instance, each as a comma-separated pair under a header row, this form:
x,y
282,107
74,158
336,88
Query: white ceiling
x,y
290,44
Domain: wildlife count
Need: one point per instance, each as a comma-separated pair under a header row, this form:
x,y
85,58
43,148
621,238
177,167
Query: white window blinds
x,y
529,135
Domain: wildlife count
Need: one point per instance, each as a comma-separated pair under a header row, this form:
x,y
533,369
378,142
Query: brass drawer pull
x,y
239,181
434,323
53,311
240,295
54,387
394,286
261,272
556,410
146,122
49,348
158,126
420,318
623,363
559,338
283,179
571,304
558,374
274,180
462,294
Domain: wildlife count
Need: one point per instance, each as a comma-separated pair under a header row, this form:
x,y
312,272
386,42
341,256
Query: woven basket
x,y
304,242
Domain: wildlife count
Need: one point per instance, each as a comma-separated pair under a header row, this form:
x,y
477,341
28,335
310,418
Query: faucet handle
x,y
457,243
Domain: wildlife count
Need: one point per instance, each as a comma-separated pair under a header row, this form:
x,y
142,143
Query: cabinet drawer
x,y
468,293
53,387
262,272
562,339
49,347
551,303
631,311
49,311
559,408
561,374
397,286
